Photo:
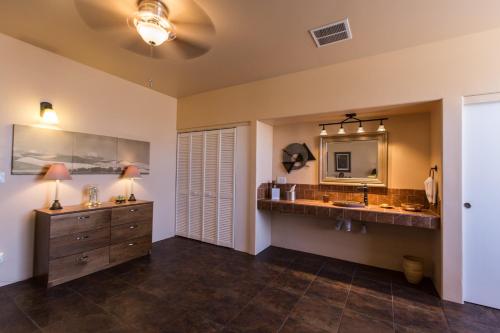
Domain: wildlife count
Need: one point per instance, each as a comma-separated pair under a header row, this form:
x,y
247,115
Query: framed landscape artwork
x,y
34,149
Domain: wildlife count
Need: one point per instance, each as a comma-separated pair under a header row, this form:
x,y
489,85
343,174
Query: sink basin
x,y
347,203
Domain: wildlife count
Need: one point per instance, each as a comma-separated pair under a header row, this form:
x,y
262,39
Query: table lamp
x,y
132,172
57,172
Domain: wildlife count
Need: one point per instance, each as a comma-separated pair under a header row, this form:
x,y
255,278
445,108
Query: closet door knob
x,y
467,205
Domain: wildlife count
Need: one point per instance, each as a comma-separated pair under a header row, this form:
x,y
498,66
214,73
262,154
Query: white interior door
x,y
226,187
196,186
182,185
211,188
481,184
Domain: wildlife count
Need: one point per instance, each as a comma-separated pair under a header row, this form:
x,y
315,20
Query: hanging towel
x,y
430,190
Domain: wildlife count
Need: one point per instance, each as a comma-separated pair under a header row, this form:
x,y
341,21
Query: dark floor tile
x,y
68,309
299,326
374,288
333,292
12,320
467,327
353,322
415,297
192,323
373,273
415,319
464,315
142,310
335,276
370,306
220,308
99,290
317,313
92,323
255,319
293,281
275,300
339,266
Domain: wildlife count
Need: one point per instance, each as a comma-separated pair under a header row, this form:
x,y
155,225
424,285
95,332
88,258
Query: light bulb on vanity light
x,y
323,132
360,128
381,127
341,130
47,113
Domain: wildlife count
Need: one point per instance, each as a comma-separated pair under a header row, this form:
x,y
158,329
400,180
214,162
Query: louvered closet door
x,y
182,186
211,179
226,187
196,186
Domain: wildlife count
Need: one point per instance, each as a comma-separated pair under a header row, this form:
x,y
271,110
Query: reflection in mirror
x,y
354,159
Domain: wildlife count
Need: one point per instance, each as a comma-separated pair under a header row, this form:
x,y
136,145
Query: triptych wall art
x,y
35,148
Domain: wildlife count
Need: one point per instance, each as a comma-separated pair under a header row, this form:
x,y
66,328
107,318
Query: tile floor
x,y
187,286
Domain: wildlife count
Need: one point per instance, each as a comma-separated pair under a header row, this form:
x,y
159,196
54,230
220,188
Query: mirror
x,y
354,159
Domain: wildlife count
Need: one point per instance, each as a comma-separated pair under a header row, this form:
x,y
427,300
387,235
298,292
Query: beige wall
x,y
89,101
408,152
444,70
382,246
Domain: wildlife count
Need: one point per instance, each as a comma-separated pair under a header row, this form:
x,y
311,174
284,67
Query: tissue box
x,y
275,194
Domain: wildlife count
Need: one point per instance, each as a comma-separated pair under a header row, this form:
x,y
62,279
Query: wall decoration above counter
x,y
35,148
296,156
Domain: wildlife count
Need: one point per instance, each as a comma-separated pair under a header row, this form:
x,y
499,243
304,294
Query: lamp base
x,y
132,197
56,205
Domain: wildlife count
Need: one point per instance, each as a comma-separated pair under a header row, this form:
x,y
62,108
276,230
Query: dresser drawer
x,y
78,222
70,267
123,232
78,242
130,249
133,213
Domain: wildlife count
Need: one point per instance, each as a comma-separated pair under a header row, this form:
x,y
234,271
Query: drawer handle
x,y
133,210
82,260
131,244
83,217
82,237
133,226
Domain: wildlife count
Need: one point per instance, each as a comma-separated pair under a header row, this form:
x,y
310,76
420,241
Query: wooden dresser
x,y
77,240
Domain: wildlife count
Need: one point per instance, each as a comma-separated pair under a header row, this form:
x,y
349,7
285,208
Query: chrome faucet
x,y
364,188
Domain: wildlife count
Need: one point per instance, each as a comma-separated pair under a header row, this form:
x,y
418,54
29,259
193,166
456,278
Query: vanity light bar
x,y
351,118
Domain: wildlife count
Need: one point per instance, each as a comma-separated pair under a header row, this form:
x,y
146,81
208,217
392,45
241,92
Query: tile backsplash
x,y
376,195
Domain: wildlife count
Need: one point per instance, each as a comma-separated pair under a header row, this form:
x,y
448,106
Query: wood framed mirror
x,y
354,159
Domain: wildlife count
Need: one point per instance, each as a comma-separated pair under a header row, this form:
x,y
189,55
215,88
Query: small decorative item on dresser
x,y
413,268
120,199
57,172
93,196
132,172
326,198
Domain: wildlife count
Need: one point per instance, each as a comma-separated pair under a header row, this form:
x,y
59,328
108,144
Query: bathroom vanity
x,y
372,213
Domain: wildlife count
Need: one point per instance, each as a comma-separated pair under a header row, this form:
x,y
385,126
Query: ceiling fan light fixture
x,y
152,23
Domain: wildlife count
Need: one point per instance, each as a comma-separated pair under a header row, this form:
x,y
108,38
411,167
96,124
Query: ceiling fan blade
x,y
187,49
189,14
108,14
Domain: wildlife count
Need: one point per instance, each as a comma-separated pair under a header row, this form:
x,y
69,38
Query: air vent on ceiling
x,y
331,33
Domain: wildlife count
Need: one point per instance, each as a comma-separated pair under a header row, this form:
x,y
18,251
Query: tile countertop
x,y
425,219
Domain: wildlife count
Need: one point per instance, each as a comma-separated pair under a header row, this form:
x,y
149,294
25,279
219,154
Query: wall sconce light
x,y
132,172
47,113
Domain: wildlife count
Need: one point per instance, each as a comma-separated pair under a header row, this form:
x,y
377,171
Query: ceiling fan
x,y
176,29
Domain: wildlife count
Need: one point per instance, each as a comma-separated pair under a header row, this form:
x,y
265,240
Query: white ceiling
x,y
255,39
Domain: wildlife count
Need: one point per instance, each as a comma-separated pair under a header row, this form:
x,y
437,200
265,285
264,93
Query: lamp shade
x,y
58,171
132,172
